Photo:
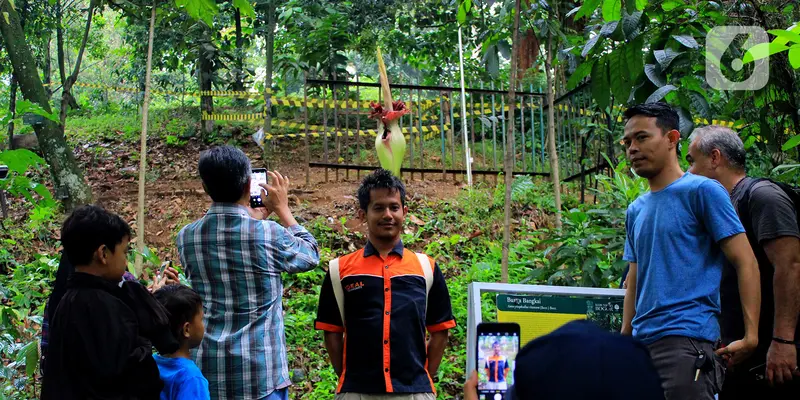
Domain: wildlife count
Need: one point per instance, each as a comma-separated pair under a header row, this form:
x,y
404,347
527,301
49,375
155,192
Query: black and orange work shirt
x,y
384,334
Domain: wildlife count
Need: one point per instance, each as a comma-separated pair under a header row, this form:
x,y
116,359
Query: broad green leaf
x,y
31,357
693,83
245,8
600,86
686,40
763,50
587,9
749,142
612,10
787,35
633,56
686,125
791,143
700,104
581,72
5,15
665,57
572,12
491,61
630,24
794,56
660,93
461,16
630,6
641,4
653,72
203,10
609,28
20,160
619,77
671,5
590,45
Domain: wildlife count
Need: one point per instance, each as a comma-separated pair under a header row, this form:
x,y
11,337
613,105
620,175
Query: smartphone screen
x,y
259,176
498,345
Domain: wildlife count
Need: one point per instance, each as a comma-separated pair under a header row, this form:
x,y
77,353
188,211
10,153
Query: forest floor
x,y
174,192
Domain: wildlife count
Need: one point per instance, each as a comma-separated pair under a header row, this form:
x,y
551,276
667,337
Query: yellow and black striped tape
x,y
352,104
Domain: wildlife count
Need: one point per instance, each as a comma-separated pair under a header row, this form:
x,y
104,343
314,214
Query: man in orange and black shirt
x,y
389,297
496,369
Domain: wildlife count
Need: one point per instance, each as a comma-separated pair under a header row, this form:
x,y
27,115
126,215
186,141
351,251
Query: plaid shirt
x,y
235,262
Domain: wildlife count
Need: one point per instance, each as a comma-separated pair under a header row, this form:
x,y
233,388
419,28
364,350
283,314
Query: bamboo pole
x,y
467,155
143,148
509,167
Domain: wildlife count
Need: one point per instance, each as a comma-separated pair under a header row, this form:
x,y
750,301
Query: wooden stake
x,y
143,148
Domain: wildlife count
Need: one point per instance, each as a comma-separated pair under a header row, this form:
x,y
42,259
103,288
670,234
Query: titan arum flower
x,y
389,143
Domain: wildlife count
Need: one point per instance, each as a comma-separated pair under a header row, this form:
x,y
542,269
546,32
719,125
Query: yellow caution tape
x,y
351,104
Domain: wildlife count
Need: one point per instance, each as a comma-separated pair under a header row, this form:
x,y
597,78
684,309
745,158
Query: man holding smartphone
x,y
234,258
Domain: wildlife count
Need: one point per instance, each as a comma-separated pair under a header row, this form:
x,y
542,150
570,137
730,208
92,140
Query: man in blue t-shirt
x,y
679,236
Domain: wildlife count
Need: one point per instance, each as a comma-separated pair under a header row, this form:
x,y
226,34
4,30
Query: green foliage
x,y
23,294
21,164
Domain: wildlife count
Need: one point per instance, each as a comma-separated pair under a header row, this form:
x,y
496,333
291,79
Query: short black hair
x,y
225,171
380,179
666,116
89,227
183,305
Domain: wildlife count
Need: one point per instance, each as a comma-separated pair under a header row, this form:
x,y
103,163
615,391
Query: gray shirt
x,y
770,214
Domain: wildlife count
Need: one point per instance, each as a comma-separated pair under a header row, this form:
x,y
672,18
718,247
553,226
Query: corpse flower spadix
x,y
389,143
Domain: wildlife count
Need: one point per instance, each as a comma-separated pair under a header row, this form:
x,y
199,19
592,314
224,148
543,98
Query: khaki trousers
x,y
405,396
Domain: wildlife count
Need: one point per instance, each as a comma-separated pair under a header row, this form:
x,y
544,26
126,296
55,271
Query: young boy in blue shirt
x,y
182,379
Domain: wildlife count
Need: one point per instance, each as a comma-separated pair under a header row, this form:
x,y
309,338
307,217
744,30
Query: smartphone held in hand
x,y
497,348
259,176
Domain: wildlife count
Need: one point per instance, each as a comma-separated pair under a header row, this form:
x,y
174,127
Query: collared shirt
x,y
235,262
385,320
497,368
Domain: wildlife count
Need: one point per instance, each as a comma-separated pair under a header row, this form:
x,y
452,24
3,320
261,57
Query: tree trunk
x,y
238,84
66,90
140,219
62,68
551,132
270,51
205,69
12,110
509,155
67,175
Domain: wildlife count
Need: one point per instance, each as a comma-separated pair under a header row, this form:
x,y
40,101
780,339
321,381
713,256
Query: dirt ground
x,y
175,196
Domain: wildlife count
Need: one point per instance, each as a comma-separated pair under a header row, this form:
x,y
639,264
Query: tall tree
x,y
67,99
67,175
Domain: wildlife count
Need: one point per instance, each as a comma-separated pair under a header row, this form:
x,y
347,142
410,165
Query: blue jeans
x,y
280,394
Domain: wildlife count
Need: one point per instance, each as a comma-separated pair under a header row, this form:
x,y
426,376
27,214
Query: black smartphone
x,y
498,345
259,176
3,171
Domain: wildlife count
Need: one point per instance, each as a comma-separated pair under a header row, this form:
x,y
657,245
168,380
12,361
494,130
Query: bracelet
x,y
784,341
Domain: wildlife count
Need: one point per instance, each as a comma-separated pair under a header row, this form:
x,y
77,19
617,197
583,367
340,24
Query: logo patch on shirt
x,y
354,286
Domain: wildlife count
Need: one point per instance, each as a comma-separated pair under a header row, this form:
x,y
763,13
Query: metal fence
x,y
339,138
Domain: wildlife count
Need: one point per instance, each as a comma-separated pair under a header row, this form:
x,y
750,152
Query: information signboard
x,y
538,315
541,309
